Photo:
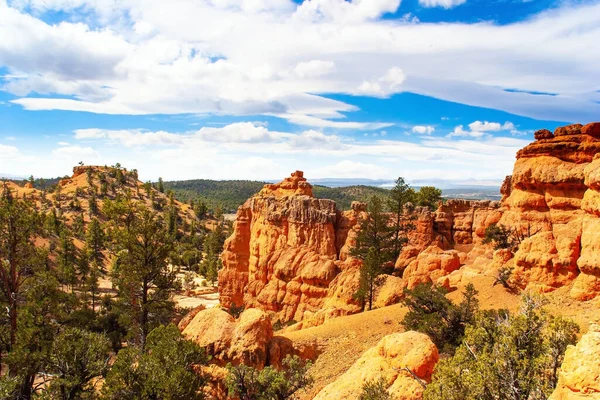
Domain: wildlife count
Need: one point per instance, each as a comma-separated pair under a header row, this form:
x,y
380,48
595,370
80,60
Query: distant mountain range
x,y
10,176
386,183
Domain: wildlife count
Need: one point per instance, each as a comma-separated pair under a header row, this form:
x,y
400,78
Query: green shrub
x,y
247,383
430,312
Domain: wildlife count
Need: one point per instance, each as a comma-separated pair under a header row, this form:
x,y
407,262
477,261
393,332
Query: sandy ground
x,y
182,300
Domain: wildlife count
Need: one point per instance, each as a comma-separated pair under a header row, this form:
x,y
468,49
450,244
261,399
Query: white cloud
x,y
275,58
75,152
250,151
442,3
316,122
314,68
423,130
478,129
350,169
490,126
8,151
386,85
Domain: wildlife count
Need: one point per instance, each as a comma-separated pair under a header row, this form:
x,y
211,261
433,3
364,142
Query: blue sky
x,y
254,89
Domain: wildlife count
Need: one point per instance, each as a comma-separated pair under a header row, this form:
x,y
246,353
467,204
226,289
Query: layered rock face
x,y
389,361
283,253
552,203
579,376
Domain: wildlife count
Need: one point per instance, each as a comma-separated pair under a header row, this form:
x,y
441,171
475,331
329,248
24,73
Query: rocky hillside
x,y
78,199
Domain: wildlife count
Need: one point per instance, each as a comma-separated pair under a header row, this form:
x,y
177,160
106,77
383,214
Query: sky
x,y
255,89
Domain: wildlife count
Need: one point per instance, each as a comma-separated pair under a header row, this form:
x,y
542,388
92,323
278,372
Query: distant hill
x,y
229,195
344,196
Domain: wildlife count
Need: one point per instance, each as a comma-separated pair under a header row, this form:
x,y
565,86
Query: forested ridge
x,y
229,195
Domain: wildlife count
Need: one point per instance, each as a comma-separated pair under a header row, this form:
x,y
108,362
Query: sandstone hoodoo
x,y
289,252
579,376
283,253
552,204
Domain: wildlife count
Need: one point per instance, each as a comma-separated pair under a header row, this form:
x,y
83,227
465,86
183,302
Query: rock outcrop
x,y
389,361
289,252
551,205
285,250
579,376
244,341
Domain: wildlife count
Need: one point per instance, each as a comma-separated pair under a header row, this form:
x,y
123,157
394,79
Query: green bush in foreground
x,y
505,356
165,369
247,383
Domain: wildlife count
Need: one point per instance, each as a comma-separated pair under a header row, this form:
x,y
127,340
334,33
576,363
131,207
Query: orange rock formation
x,y
388,361
579,376
284,251
288,254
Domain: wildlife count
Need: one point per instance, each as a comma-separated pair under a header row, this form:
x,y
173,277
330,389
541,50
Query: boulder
x,y
579,376
244,341
388,361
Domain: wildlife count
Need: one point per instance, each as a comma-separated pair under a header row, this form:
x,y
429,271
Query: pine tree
x,y
67,260
19,222
400,195
375,247
161,185
142,276
92,284
78,357
95,241
165,369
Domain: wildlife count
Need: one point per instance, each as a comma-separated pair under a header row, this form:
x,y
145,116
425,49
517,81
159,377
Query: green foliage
x,y
500,236
94,239
370,277
505,356
247,383
236,311
430,312
229,195
78,357
428,196
141,274
377,245
344,196
213,246
400,196
166,369
375,390
503,276
67,259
